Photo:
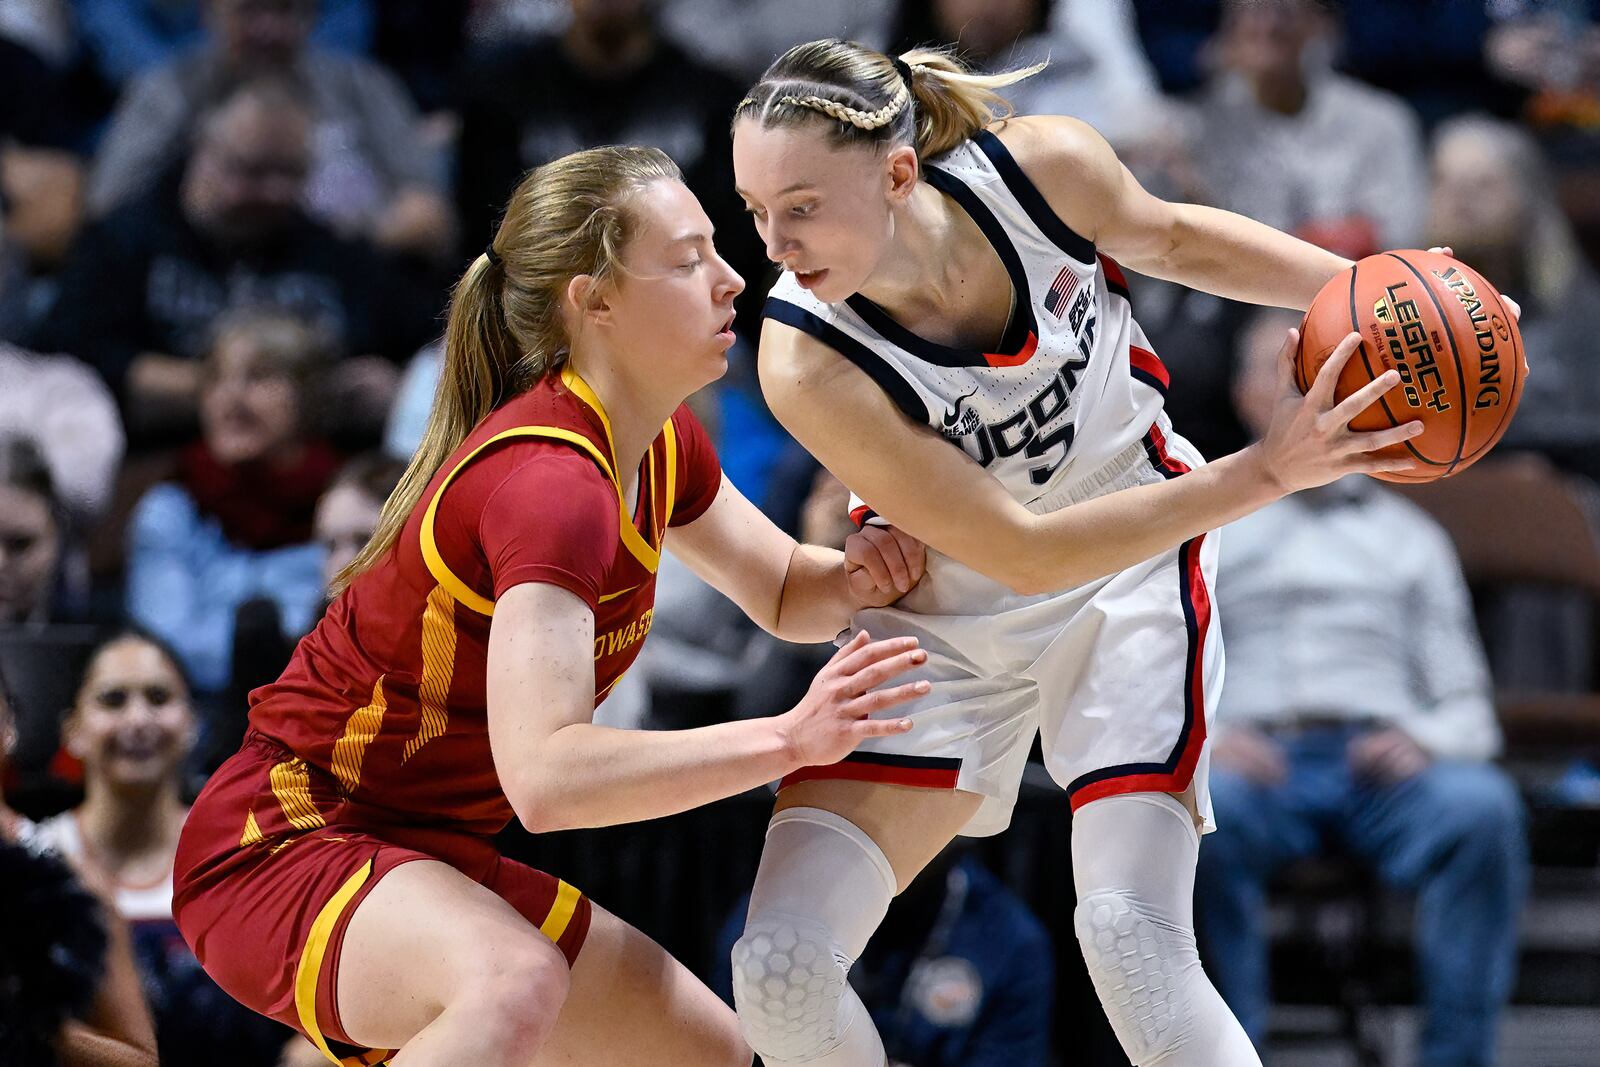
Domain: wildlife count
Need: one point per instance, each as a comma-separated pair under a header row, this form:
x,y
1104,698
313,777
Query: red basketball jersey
x,y
383,703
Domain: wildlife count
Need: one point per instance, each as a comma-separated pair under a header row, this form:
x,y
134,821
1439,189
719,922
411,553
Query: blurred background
x,y
227,231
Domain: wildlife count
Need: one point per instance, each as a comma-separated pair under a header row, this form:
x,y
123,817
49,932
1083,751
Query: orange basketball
x,y
1451,337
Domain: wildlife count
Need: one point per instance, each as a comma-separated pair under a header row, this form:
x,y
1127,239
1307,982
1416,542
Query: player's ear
x,y
587,299
902,168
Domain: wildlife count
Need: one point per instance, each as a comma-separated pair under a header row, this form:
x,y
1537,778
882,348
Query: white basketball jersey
x,y
1075,389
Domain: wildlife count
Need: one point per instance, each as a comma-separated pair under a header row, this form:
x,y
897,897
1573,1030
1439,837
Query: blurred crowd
x,y
227,234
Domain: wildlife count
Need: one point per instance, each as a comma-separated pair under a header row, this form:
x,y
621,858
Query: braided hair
x,y
925,98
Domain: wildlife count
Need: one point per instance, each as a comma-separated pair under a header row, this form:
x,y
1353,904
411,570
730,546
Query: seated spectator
x,y
32,536
69,987
236,524
143,286
41,181
67,411
1553,51
608,78
127,38
1357,717
960,973
132,727
1494,204
370,171
347,514
743,36
1107,83
1281,137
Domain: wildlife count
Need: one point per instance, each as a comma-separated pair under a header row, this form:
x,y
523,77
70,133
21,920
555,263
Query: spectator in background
x,y
41,181
1494,204
1281,137
67,411
960,973
1107,83
1357,713
369,171
127,38
143,286
31,536
1553,50
236,524
132,726
348,512
742,37
608,78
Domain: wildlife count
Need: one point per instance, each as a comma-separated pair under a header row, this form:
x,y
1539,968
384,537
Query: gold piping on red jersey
x,y
291,784
647,554
438,665
309,969
252,831
359,730
562,908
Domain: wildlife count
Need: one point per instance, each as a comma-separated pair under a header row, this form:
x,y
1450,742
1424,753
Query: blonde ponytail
x,y
926,98
505,329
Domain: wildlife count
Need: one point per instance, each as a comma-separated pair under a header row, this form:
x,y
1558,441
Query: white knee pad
x,y
789,981
822,889
1140,966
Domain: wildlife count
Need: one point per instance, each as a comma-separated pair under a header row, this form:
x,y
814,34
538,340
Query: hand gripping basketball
x,y
833,718
1310,442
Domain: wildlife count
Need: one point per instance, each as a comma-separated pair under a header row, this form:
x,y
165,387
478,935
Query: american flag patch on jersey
x,y
1060,293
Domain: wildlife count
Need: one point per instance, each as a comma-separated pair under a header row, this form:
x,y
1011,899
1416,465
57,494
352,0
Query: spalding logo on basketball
x,y
1451,337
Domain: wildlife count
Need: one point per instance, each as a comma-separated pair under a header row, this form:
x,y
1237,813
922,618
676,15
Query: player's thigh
x,y
633,1005
910,824
427,935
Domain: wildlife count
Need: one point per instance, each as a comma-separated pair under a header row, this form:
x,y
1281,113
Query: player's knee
x,y
789,980
1141,966
520,988
723,1044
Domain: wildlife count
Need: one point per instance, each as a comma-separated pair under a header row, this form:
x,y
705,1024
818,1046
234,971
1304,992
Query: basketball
x,y
1453,340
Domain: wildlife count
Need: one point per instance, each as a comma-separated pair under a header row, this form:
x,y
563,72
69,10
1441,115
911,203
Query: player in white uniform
x,y
953,340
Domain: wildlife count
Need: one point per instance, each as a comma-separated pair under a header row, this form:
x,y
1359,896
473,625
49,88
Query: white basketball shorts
x,y
1116,676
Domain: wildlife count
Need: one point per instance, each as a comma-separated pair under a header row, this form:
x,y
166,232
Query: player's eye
x,y
115,699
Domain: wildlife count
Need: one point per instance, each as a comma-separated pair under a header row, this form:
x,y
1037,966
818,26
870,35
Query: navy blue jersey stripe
x,y
874,365
1033,201
1153,382
1023,324
1188,562
892,759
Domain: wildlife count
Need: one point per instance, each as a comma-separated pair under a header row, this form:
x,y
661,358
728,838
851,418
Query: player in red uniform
x,y
337,873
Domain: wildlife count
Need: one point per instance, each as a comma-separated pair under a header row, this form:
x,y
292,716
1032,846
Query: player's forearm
x,y
1232,256
816,602
588,775
1080,543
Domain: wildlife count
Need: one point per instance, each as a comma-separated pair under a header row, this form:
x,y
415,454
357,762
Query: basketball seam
x,y
1455,352
1355,326
1511,389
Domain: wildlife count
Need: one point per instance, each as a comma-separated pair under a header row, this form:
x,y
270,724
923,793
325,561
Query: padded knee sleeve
x,y
1141,967
1133,857
822,889
789,981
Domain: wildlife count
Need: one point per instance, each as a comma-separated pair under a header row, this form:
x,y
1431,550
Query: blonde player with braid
x,y
953,338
